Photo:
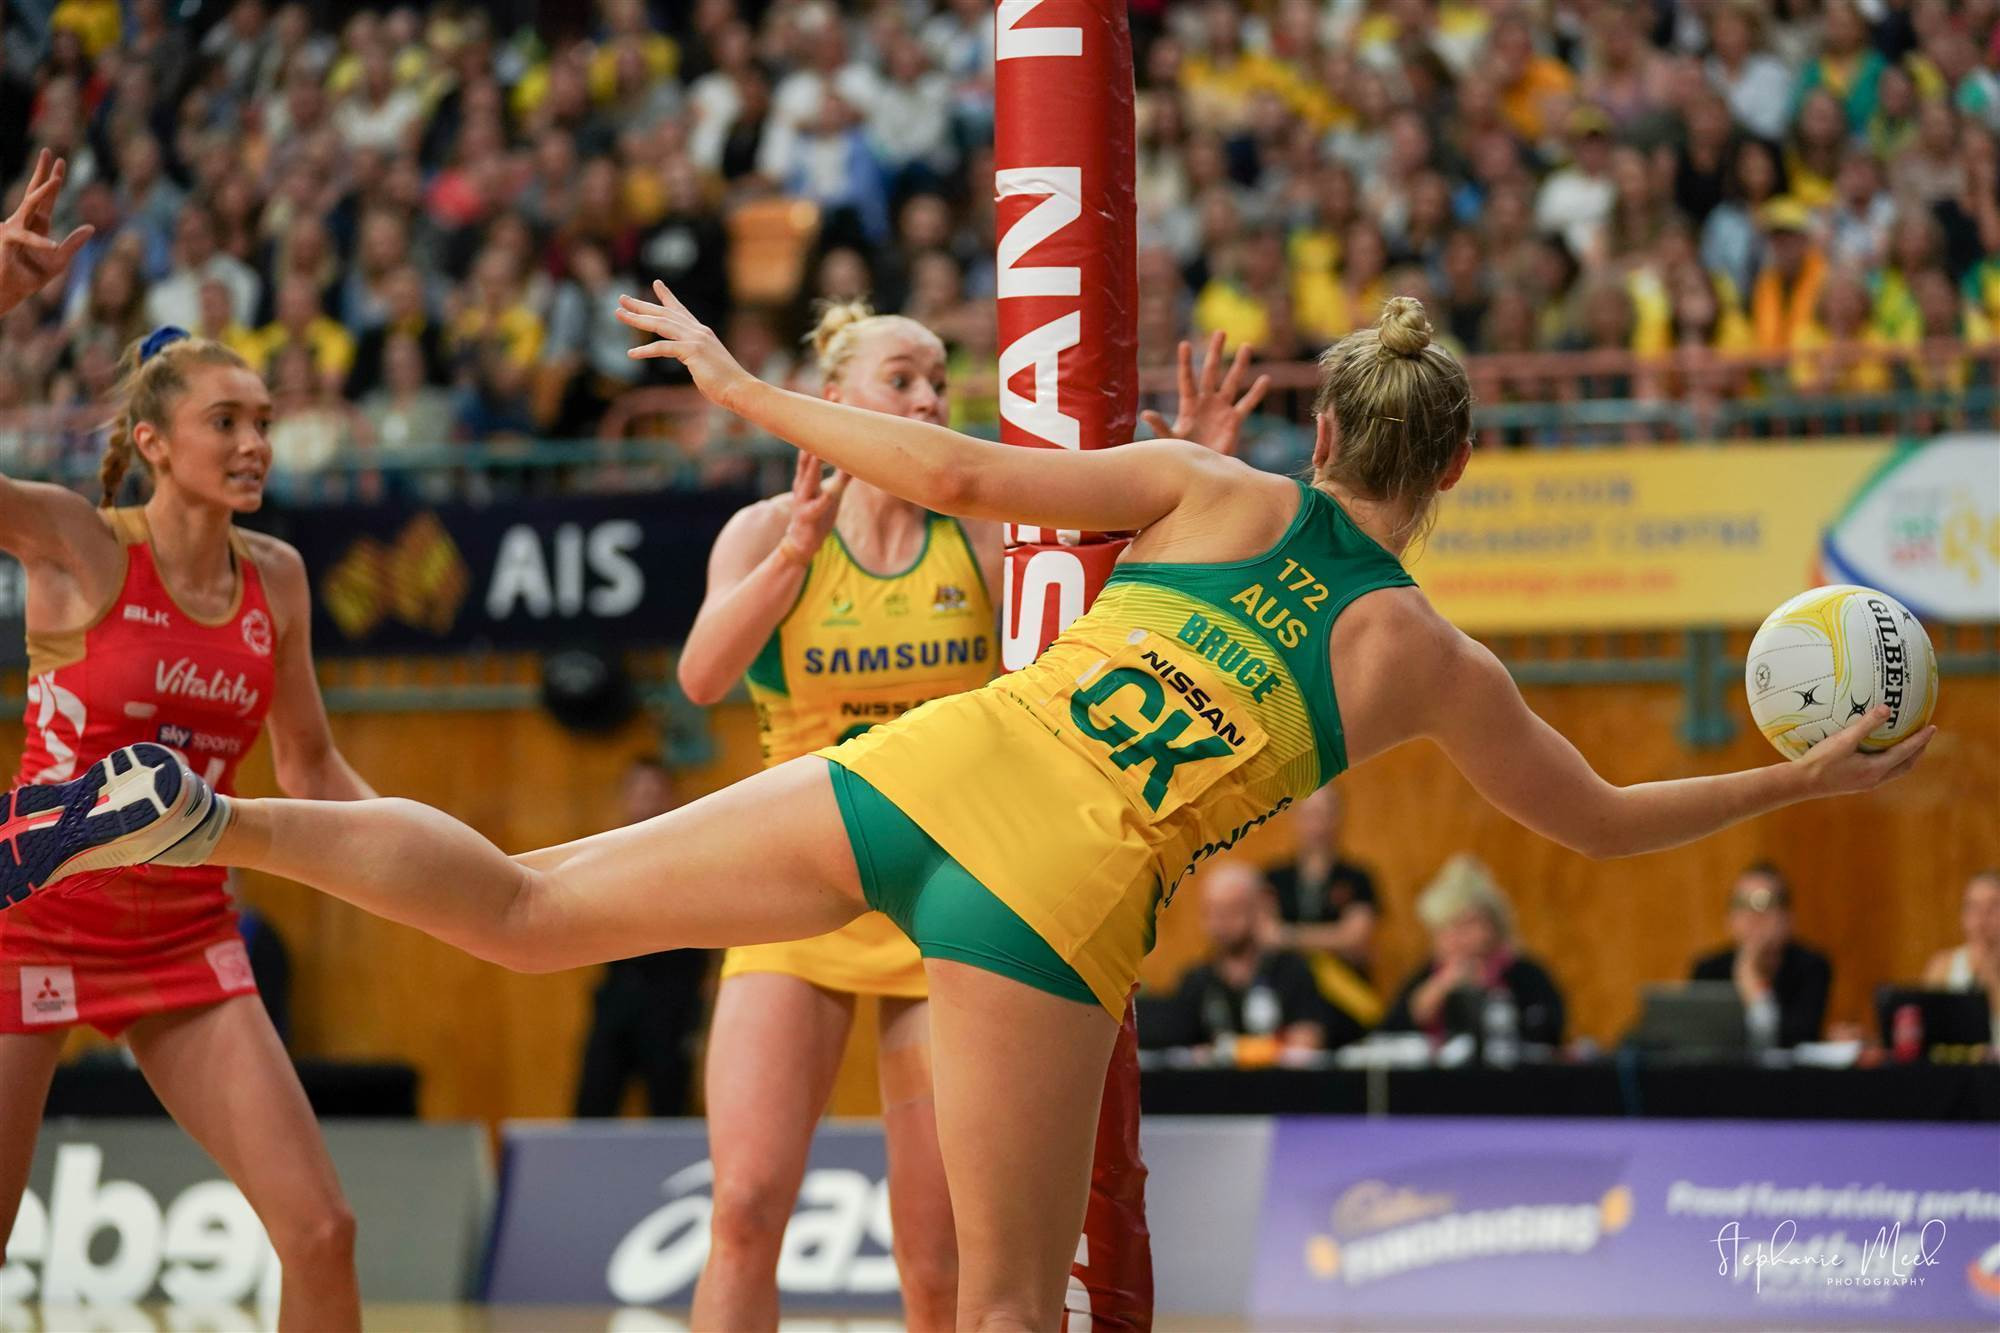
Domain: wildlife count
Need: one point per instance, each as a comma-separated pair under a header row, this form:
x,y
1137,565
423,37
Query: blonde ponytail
x,y
148,390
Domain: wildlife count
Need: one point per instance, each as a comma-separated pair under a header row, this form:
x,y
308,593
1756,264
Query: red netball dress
x,y
152,938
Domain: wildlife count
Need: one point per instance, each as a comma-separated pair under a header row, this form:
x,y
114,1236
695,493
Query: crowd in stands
x,y
413,219
1289,966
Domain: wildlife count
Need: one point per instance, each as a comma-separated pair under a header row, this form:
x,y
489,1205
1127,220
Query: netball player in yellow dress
x,y
842,606
1259,636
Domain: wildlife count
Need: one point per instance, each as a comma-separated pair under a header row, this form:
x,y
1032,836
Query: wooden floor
x,y
383,1318
389,1318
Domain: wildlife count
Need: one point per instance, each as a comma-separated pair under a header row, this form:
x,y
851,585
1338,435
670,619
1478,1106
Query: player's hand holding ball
x,y
1843,680
685,339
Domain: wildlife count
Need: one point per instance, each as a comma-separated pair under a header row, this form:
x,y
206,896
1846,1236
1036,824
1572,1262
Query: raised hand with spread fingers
x,y
686,339
29,258
1214,407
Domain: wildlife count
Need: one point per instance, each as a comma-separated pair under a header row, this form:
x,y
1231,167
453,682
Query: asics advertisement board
x,y
618,1213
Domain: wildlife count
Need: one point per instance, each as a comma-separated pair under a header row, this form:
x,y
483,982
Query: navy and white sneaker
x,y
128,808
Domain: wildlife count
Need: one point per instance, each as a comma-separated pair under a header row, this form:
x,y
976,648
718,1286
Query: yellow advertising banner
x,y
1713,535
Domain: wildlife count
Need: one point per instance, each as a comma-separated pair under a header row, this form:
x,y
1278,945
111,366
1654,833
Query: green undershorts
x,y
936,902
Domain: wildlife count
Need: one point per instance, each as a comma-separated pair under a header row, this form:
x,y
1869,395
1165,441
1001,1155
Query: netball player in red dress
x,y
166,624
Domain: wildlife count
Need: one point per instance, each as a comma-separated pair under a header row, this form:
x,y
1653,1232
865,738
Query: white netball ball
x,y
1828,656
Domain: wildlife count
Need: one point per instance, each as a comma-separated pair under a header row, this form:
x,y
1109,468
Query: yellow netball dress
x,y
855,650
1188,706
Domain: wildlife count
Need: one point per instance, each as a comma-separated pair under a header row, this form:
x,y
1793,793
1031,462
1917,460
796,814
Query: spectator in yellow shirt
x,y
1786,291
1916,245
96,23
1237,300
655,52
1818,142
1944,320
1704,317
1534,89
1220,81
301,320
1838,351
1330,305
1705,313
496,317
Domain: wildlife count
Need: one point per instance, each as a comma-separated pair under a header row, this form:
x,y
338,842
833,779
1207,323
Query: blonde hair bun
x,y
840,326
1405,329
830,319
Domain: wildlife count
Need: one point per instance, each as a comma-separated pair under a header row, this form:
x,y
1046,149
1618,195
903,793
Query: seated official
x,y
1326,903
647,1010
1244,989
1473,947
1975,964
1782,982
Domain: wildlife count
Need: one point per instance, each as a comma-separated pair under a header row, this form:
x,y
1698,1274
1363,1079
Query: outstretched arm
x,y
1102,490
1536,777
755,574
42,525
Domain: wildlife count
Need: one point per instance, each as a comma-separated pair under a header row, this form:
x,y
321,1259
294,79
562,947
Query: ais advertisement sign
x,y
1697,535
623,570
1708,1222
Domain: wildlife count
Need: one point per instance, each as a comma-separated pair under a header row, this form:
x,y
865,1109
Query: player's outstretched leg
x,y
1017,1071
766,859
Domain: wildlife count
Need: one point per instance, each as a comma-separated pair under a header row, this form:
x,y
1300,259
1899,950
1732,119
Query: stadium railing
x,y
668,437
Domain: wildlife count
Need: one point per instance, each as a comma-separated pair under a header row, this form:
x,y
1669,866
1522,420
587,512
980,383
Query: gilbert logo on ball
x,y
1829,655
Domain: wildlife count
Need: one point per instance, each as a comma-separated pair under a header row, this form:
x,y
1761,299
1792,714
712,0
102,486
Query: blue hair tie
x,y
164,336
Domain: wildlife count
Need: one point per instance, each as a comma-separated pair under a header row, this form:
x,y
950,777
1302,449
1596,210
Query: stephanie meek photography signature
x,y
1879,1260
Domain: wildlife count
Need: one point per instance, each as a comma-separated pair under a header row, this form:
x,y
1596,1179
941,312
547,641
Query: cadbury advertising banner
x,y
615,570
1698,1223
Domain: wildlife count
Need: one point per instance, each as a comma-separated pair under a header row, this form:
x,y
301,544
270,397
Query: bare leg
x,y
27,1066
223,1074
773,1050
1018,1075
766,859
919,1202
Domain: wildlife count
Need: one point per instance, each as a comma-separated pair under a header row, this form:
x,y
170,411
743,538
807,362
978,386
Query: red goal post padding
x,y
1068,300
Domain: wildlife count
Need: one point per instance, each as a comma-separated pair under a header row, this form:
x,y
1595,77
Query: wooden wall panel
x,y
1877,877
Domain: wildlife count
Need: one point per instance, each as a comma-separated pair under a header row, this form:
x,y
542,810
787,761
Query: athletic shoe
x,y
127,808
